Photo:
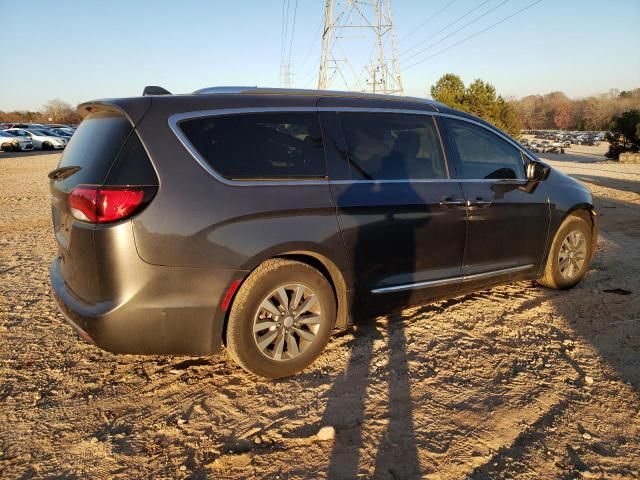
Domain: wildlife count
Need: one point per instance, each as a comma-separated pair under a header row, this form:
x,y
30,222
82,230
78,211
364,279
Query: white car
x,y
42,139
10,143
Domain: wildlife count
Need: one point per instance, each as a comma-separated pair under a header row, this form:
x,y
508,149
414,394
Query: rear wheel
x,y
281,319
570,254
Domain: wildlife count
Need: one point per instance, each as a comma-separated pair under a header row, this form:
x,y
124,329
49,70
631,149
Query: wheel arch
x,y
333,275
583,210
326,267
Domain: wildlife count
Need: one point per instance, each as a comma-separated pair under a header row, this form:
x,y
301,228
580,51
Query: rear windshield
x,y
94,147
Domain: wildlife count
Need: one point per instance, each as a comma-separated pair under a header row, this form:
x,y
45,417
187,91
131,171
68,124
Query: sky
x,y
78,50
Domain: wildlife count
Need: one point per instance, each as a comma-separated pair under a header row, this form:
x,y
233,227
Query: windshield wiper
x,y
63,172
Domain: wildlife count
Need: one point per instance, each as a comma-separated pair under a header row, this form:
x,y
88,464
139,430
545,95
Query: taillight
x,y
106,204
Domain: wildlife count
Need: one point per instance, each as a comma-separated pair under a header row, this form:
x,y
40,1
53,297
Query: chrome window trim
x,y
451,280
176,118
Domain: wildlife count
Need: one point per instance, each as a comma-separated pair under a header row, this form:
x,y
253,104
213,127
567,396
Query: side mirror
x,y
536,171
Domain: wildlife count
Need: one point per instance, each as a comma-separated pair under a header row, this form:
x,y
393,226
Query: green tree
x,y
480,99
508,118
449,89
625,134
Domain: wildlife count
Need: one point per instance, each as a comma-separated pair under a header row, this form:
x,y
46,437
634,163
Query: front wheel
x,y
47,146
570,254
281,318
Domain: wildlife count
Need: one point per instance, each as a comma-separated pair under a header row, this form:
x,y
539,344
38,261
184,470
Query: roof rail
x,y
212,90
155,90
299,91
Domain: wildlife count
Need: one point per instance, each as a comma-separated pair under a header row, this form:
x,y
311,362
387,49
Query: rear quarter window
x,y
259,146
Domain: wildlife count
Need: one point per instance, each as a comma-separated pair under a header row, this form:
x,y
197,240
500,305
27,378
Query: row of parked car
x,y
545,146
572,138
24,137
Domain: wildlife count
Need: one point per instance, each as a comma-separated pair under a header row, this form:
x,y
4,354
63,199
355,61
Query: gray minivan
x,y
262,219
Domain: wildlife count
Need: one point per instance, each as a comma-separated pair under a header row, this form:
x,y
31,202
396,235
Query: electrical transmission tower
x,y
359,47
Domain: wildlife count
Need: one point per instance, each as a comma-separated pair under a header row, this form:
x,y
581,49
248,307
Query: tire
x,y
262,285
567,273
47,146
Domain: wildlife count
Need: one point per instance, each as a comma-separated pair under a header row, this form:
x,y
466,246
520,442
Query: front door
x,y
402,217
507,216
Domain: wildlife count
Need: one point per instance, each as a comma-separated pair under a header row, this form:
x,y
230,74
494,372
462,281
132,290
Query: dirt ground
x,y
513,382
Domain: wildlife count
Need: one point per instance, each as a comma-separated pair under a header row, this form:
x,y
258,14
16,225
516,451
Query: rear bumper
x,y
174,311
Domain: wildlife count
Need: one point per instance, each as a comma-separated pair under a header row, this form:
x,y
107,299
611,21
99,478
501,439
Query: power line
x,y
293,29
427,20
474,35
282,35
315,38
456,31
287,43
445,27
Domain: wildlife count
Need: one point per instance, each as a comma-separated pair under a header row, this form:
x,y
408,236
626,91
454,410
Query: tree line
x,y
54,111
617,112
557,111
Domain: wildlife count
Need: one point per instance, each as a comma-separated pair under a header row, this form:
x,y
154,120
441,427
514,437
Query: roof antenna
x,y
154,90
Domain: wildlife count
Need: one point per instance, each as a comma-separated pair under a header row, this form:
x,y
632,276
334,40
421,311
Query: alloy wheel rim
x,y
287,322
572,256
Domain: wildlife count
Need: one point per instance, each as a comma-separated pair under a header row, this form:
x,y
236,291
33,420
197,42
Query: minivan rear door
x,y
401,215
89,160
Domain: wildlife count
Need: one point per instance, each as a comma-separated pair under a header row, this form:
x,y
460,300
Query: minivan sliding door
x,y
402,218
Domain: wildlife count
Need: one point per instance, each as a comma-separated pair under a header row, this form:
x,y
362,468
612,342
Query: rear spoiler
x,y
132,108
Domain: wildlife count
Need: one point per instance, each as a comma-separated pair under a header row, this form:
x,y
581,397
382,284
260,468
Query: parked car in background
x,y
41,139
63,132
283,213
6,126
12,143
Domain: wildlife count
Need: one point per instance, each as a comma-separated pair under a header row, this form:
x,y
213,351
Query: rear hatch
x,y
104,155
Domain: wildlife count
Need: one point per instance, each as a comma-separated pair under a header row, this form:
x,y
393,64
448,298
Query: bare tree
x,y
57,111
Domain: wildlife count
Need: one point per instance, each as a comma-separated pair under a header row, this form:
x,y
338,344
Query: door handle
x,y
478,202
453,202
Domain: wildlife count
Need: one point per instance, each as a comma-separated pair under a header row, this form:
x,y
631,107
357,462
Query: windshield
x,y
43,133
4,134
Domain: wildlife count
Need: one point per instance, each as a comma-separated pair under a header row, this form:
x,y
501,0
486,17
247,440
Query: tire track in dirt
x,y
494,382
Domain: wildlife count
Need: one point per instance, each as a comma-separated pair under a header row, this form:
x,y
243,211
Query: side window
x,y
392,146
484,155
260,145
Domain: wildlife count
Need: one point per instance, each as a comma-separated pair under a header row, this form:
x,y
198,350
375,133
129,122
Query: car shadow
x,y
397,454
614,183
31,153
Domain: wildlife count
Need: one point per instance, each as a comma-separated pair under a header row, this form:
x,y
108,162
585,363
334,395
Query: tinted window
x,y
94,147
388,146
484,155
132,167
260,145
